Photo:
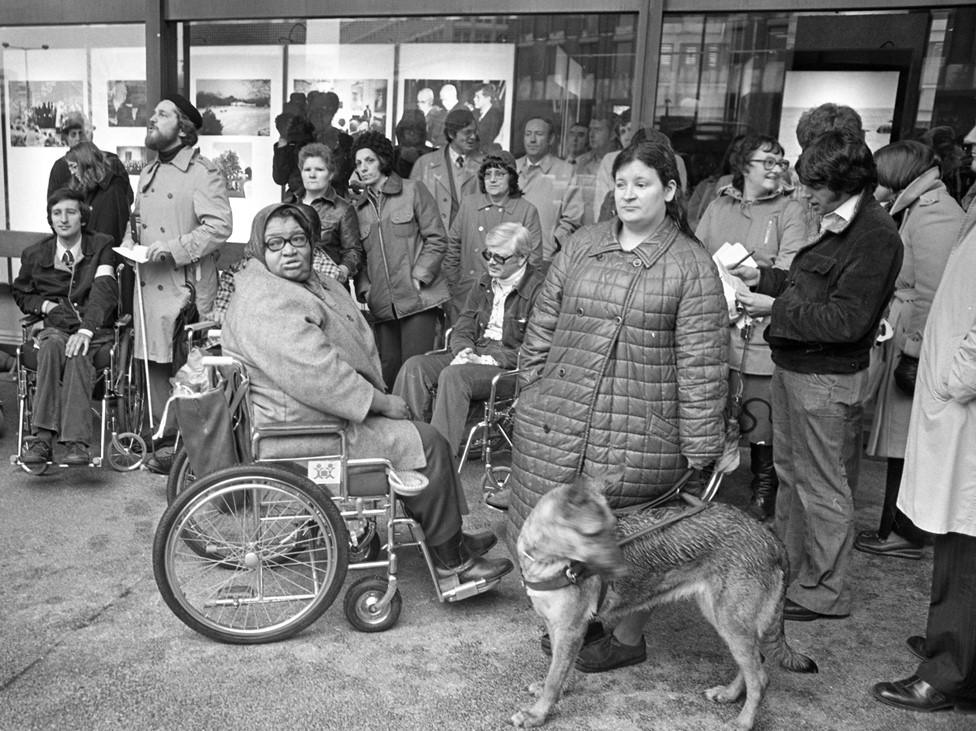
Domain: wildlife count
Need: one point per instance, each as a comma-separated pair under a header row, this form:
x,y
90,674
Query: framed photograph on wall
x,y
238,90
438,77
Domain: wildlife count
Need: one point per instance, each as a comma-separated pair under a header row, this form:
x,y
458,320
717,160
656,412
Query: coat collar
x,y
530,271
484,203
545,164
647,251
924,183
50,245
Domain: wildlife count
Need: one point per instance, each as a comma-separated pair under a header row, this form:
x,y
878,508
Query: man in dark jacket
x,y
68,280
824,318
485,339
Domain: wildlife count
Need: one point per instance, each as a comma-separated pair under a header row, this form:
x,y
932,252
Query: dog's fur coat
x,y
731,565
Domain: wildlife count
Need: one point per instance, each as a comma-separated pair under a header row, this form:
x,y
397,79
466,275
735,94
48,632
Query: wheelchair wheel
x,y
132,389
495,478
126,452
180,475
360,605
250,554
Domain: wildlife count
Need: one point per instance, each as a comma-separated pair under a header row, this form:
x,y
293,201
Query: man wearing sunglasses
x,y
485,339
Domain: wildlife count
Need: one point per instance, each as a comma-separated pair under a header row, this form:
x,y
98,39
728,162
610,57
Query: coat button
x,y
159,287
579,310
142,284
162,230
145,225
169,195
599,257
618,319
562,372
545,428
637,263
481,228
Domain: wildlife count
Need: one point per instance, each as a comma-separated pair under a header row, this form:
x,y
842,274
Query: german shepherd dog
x,y
730,564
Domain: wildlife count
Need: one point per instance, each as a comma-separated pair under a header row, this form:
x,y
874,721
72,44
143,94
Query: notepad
x,y
137,253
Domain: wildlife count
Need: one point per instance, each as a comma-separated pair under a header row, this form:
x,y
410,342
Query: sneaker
x,y
609,654
36,451
77,454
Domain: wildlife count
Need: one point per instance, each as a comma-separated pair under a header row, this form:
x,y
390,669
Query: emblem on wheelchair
x,y
324,471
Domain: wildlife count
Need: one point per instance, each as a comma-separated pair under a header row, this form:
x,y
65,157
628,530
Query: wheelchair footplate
x,y
451,590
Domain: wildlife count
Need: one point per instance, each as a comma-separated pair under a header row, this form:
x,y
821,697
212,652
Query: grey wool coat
x,y
627,352
310,354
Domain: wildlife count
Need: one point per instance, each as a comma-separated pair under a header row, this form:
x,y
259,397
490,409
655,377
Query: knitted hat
x,y
183,104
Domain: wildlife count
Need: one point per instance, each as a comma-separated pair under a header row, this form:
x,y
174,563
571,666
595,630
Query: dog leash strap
x,y
693,510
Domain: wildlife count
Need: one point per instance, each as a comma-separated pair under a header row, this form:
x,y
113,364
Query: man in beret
x,y
452,172
183,217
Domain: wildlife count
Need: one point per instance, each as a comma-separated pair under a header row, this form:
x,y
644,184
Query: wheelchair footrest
x,y
452,591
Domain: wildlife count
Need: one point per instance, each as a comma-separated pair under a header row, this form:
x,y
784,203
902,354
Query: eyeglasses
x,y
496,258
771,162
298,241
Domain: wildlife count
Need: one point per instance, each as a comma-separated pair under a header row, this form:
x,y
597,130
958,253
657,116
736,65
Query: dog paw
x,y
527,719
721,694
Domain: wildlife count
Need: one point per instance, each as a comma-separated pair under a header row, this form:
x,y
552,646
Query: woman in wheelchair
x,y
311,356
68,281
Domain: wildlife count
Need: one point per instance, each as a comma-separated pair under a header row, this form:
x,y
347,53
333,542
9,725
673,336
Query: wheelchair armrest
x,y
336,426
30,320
447,344
201,326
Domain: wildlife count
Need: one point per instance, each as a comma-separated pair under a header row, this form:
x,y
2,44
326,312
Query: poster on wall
x,y
238,90
438,77
871,93
361,76
41,87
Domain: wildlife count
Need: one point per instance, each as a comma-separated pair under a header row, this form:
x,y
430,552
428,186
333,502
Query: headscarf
x,y
306,216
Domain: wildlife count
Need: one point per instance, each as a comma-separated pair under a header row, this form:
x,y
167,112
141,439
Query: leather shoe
x,y
912,694
161,462
499,500
477,569
609,654
916,643
797,613
894,545
37,451
478,544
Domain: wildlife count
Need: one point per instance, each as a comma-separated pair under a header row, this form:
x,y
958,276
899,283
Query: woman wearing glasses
x,y
500,201
310,355
404,241
757,211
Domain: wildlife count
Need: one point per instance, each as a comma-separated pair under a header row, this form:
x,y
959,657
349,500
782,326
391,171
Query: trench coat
x,y
938,487
930,221
311,355
448,190
627,367
182,203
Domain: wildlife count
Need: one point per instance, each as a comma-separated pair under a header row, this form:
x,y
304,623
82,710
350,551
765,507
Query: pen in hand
x,y
733,266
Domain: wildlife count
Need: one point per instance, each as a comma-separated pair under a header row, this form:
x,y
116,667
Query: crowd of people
x,y
585,271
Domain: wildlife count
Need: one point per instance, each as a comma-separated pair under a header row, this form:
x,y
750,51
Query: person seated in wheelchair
x,y
67,280
484,342
310,356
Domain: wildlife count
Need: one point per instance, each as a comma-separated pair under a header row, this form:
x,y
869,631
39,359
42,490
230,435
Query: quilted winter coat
x,y
627,352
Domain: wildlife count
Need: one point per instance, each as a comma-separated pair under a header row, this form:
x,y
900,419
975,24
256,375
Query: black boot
x,y
452,558
764,481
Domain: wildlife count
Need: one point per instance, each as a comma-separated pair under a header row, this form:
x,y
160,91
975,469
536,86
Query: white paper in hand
x,y
137,253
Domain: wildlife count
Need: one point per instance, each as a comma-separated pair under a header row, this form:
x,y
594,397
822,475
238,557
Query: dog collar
x,y
573,574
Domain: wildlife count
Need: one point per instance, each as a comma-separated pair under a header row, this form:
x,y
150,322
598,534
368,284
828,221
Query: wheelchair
x,y
256,552
118,389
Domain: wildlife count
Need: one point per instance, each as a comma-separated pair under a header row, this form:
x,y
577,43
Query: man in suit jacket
x,y
452,173
488,116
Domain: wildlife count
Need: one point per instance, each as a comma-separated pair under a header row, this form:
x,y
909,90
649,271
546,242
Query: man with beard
x,y
183,217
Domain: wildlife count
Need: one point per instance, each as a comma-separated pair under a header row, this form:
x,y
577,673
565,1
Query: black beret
x,y
183,104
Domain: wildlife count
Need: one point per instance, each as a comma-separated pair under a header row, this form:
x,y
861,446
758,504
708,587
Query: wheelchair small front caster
x,y
361,603
127,452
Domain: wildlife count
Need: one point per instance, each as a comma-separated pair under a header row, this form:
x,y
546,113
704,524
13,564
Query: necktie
x,y
460,161
68,260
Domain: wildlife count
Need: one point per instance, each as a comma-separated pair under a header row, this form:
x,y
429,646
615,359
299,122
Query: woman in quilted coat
x,y
626,351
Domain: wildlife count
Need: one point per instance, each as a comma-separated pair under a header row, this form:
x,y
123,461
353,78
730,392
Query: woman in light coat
x,y
757,211
938,491
929,220
311,359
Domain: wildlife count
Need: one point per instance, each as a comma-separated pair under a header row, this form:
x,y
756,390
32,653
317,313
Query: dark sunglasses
x,y
497,258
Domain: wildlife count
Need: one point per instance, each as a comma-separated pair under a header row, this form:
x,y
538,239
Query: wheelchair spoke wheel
x,y
495,479
127,452
180,475
361,605
250,554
